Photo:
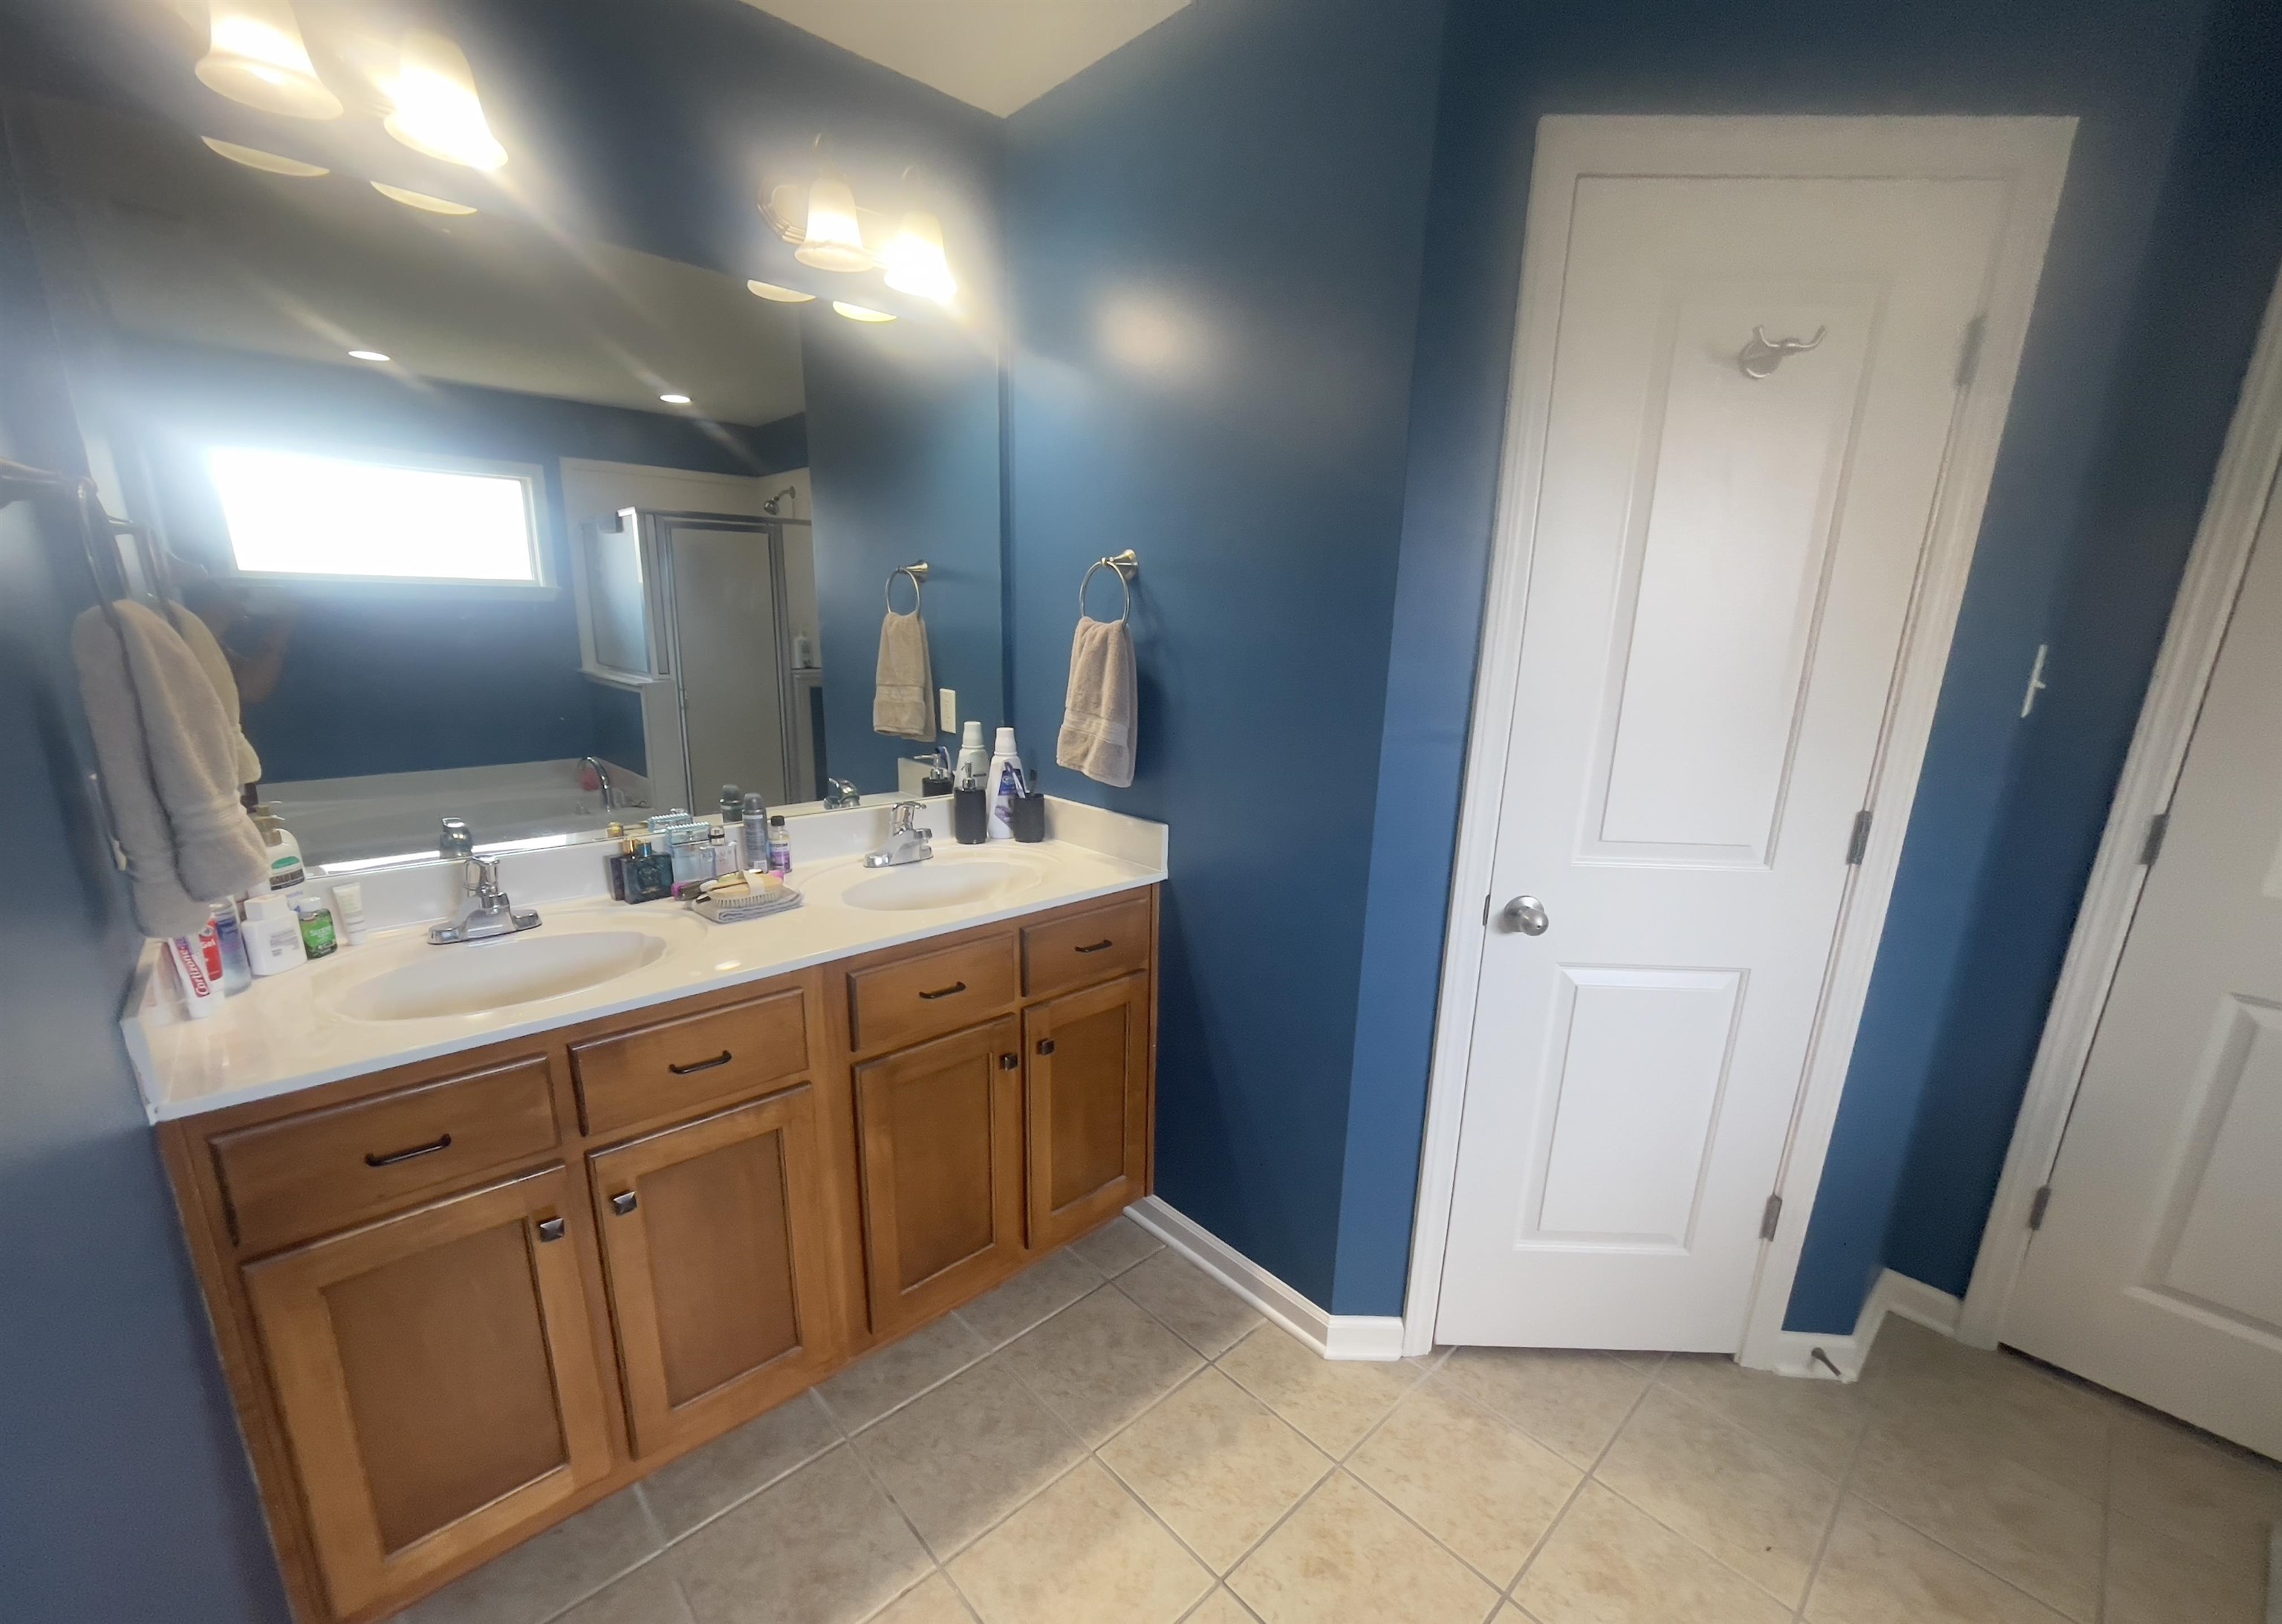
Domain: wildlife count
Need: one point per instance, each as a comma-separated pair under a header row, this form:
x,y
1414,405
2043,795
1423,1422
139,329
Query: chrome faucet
x,y
838,792
906,843
484,908
602,779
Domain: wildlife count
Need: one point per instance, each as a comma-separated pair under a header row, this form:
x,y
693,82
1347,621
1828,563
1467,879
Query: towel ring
x,y
919,574
1127,565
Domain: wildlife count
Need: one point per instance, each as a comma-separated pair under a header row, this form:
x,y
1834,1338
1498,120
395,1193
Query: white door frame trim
x,y
2241,491
2030,156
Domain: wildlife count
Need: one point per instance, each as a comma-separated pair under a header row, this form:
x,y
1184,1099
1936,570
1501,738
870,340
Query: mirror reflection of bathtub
x,y
393,815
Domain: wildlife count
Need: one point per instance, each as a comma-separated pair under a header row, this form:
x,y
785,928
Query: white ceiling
x,y
997,55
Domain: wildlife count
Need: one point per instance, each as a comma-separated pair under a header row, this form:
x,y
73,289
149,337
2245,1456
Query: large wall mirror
x,y
535,401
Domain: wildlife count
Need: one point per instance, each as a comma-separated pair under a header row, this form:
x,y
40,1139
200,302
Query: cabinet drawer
x,y
1085,948
930,992
653,1070
293,1179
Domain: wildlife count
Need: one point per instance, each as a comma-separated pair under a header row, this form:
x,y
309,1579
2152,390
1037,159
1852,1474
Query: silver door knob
x,y
1525,914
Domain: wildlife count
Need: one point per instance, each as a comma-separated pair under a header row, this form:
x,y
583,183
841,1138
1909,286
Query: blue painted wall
x,y
124,1490
1213,248
2218,243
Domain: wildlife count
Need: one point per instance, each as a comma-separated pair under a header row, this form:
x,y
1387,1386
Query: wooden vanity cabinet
x,y
461,1300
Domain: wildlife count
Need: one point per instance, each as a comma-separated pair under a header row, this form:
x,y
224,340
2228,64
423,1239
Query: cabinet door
x,y
941,1126
713,1235
437,1376
1088,1076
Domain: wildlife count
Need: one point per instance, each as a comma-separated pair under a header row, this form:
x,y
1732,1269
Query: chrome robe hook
x,y
1762,356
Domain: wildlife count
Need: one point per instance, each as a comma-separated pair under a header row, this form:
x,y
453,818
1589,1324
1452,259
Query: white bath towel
x,y
215,664
903,694
169,761
1098,717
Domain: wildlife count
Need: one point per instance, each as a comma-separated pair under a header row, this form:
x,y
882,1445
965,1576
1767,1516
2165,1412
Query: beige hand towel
x,y
1098,717
903,694
215,664
164,745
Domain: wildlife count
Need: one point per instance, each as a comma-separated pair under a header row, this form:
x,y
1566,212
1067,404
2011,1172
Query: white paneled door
x,y
1720,579
2158,1268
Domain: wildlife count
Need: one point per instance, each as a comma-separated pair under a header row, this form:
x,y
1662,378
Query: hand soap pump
x,y
1005,784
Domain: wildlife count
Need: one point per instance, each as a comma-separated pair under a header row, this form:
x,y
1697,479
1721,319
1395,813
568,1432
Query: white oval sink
x,y
469,978
938,884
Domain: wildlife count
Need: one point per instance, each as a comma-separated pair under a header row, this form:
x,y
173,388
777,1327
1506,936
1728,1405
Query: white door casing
x,y
1700,586
2158,1269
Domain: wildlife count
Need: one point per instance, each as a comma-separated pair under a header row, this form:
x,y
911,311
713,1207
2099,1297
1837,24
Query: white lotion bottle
x,y
1004,756
273,935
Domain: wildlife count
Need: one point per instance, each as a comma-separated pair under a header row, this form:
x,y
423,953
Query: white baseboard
x,y
1334,1336
1796,1351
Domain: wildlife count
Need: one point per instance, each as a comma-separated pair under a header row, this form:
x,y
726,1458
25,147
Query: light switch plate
x,y
946,704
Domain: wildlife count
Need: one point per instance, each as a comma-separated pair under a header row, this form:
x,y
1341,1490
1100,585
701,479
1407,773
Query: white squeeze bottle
x,y
1004,783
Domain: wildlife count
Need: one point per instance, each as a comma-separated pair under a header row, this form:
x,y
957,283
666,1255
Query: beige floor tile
x,y
1217,1466
962,1457
2020,1525
900,1372
542,1576
1046,1286
712,1479
1878,1571
1221,1607
1816,1422
2155,1579
1199,1310
1084,1549
1334,1401
1992,1401
2201,1493
1572,1402
1611,1563
1117,1246
1751,1506
1346,1555
649,1594
931,1601
1470,1480
822,1547
1101,1362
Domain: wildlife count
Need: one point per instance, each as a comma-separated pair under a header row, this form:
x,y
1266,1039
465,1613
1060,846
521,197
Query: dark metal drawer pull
x,y
944,992
395,1156
624,1203
550,1229
1046,1046
1007,1062
1096,947
721,1059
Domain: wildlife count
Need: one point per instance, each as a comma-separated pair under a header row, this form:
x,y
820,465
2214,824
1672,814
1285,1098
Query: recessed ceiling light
x,y
861,312
783,296
420,199
367,355
675,400
254,158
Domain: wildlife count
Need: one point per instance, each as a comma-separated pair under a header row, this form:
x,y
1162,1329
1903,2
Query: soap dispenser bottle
x,y
1005,783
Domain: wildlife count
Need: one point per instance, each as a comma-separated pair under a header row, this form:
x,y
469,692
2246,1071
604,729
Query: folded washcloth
x,y
215,664
169,761
1098,719
903,696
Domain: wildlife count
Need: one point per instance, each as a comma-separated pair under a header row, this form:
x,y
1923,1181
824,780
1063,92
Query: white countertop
x,y
287,1032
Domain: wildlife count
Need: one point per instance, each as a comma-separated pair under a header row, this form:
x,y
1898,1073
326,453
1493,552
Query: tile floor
x,y
1112,1438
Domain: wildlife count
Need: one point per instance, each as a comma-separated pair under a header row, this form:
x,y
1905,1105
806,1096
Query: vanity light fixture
x,y
780,295
271,163
675,400
420,199
915,259
367,355
833,241
254,55
861,312
437,110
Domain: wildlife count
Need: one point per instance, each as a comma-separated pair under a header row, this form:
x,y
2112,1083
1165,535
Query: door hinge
x,y
1769,1216
1486,913
2152,848
1968,356
2038,1206
1858,841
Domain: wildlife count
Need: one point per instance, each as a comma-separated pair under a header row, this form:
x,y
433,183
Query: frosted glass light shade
x,y
437,109
916,263
833,241
254,55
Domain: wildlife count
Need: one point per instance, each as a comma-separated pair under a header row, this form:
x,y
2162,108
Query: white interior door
x,y
1720,573
2158,1269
